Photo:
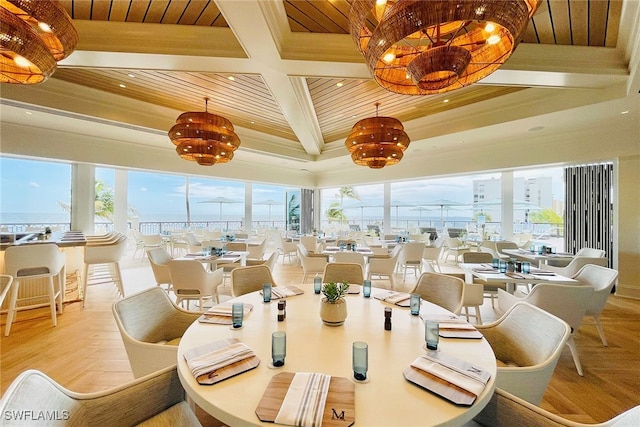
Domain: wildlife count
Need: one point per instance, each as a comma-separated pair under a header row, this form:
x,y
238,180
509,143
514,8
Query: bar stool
x,y
38,261
108,254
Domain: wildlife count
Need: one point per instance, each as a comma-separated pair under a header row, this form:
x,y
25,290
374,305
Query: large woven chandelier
x,y
419,47
34,35
377,142
204,138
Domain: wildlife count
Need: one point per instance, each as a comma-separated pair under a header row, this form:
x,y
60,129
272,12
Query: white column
x,y
507,205
121,201
83,197
247,221
387,208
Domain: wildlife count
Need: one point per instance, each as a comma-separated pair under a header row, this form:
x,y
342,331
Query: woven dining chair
x,y
340,272
441,289
250,279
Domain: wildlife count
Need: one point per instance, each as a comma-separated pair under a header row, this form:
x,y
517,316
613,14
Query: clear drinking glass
x,y
414,304
432,334
317,284
237,313
360,360
278,347
366,288
266,292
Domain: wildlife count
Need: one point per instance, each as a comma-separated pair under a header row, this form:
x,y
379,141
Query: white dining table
x,y
212,261
481,271
535,258
386,399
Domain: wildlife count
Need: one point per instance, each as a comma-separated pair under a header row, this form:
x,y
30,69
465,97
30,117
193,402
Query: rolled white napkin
x,y
303,405
214,360
450,374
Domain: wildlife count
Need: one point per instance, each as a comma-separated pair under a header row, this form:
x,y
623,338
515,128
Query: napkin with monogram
x,y
454,371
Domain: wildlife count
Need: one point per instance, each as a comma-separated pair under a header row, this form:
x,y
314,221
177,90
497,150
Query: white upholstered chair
x,y
505,244
310,243
574,265
192,282
601,279
311,263
384,266
350,256
256,252
159,259
455,248
157,399
441,289
568,302
431,254
284,248
527,342
489,289
411,258
25,263
151,326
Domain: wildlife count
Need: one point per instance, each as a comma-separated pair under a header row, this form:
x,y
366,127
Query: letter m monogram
x,y
337,416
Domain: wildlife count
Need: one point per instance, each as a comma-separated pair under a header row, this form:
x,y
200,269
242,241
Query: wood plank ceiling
x,y
338,102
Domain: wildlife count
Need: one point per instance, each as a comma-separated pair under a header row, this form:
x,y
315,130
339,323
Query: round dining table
x,y
386,398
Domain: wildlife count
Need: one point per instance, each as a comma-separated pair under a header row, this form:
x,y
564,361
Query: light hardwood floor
x,y
85,352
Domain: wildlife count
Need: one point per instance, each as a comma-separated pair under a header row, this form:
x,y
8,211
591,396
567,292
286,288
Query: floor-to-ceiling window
x,y
356,207
34,194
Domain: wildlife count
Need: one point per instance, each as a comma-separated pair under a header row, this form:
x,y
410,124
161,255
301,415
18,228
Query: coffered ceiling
x,y
288,76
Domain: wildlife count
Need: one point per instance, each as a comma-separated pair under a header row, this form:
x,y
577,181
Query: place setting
x,y
219,360
222,314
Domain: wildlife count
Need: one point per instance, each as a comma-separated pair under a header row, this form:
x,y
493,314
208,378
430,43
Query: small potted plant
x,y
333,309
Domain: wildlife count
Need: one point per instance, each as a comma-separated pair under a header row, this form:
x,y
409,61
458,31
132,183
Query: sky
x,y
30,186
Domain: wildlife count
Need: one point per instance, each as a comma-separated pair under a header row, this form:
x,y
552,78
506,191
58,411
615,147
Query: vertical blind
x,y
589,208
306,211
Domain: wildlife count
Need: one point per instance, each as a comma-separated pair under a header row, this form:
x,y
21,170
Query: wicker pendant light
x,y
377,142
417,47
204,138
33,36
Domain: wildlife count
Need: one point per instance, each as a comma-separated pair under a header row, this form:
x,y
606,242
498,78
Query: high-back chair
x,y
411,258
192,282
158,398
341,272
149,241
505,244
591,253
284,248
490,289
256,252
454,247
42,261
250,279
151,326
350,256
568,302
194,244
574,266
228,267
159,260
441,289
310,243
527,342
431,254
384,266
102,261
311,264
237,246
601,279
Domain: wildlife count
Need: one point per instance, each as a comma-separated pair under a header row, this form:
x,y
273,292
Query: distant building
x,y
536,192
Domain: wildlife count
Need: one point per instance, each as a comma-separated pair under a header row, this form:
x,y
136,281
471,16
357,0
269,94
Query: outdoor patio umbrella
x,y
220,201
420,209
362,205
443,203
400,204
270,202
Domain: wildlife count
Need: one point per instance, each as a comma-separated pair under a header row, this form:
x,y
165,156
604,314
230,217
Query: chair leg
x,y
52,301
574,354
478,315
118,276
12,306
84,284
600,330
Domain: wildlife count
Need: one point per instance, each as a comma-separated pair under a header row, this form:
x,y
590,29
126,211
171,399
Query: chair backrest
x,y
33,260
568,302
591,253
527,335
272,261
575,265
250,279
476,257
148,316
505,244
257,251
441,289
105,253
237,246
601,279
189,277
452,242
411,252
159,260
352,257
191,239
241,235
340,272
432,252
309,242
151,239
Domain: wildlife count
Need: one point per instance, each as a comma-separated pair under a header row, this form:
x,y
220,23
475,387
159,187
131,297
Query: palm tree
x,y
335,213
350,193
103,204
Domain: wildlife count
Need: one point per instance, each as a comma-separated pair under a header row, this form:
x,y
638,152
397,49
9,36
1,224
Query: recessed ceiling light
x,y
131,75
446,100
122,85
535,128
624,112
339,84
252,122
231,78
28,113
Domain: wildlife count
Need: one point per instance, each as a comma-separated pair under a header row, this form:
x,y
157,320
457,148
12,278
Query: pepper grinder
x,y
387,318
281,312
